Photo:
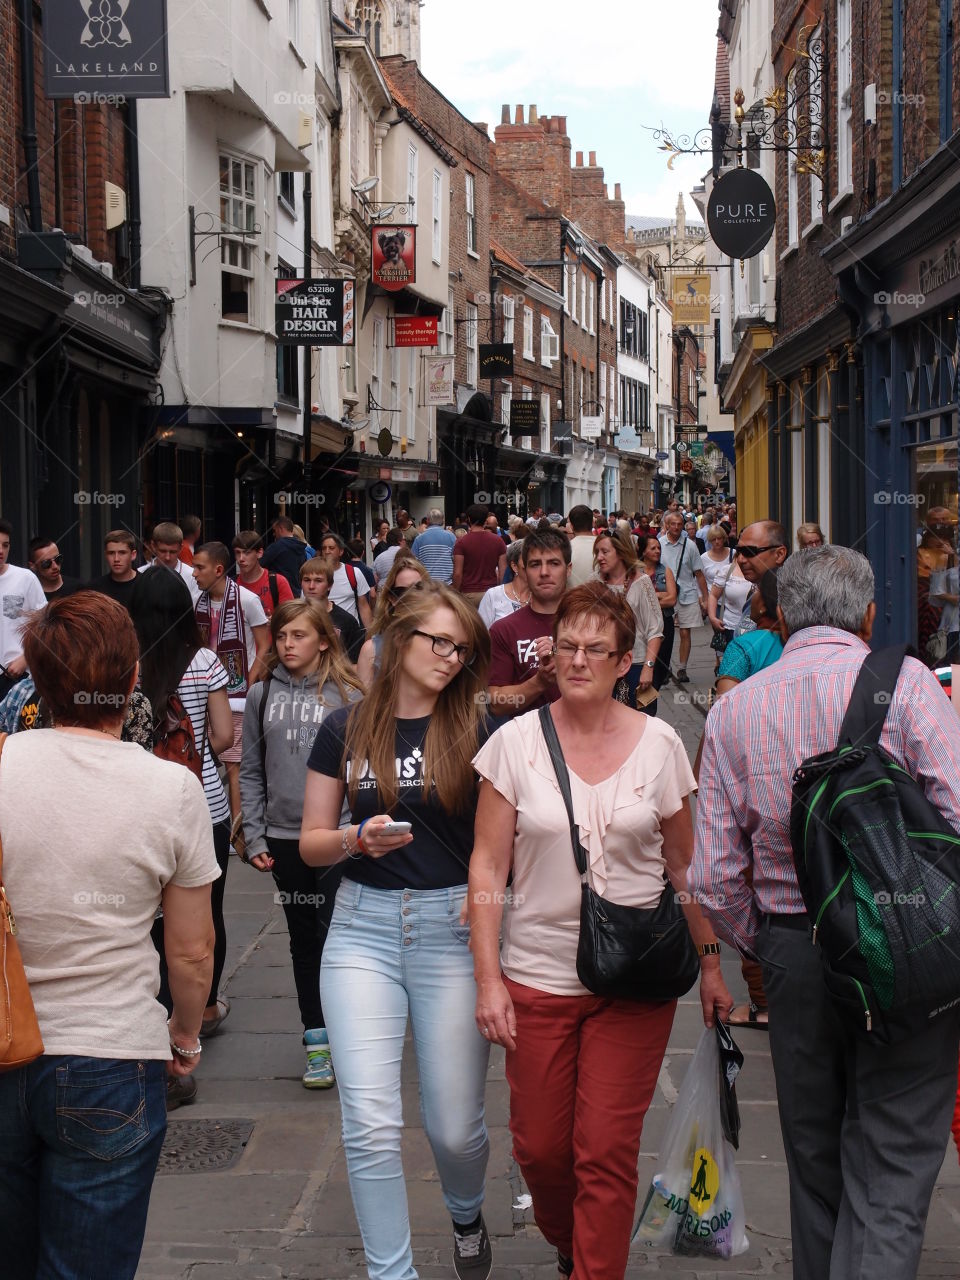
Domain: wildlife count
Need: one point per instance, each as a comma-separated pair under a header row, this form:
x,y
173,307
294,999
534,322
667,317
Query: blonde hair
x,y
623,545
452,735
404,559
317,568
808,530
333,661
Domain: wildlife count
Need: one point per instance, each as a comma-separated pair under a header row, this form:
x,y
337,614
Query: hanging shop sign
x,y
662,455
591,427
439,370
316,313
393,255
379,492
385,441
686,466
415,331
741,213
105,53
524,417
691,299
496,359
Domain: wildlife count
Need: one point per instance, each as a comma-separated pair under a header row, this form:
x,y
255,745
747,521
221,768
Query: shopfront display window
x,y
934,495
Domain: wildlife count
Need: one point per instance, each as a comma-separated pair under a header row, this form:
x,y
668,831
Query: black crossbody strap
x,y
871,696
563,777
265,686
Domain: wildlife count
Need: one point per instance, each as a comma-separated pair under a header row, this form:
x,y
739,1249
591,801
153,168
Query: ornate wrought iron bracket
x,y
203,226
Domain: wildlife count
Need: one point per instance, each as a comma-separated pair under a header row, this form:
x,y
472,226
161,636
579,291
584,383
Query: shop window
x,y
471,206
238,215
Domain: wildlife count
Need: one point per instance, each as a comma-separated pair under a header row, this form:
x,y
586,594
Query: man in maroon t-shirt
x,y
248,549
522,670
479,558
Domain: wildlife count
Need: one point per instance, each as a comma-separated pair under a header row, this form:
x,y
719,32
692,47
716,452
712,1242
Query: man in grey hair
x,y
864,1127
434,548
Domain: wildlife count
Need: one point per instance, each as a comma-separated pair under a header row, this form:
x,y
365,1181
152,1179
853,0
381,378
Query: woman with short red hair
x,y
81,1126
581,1067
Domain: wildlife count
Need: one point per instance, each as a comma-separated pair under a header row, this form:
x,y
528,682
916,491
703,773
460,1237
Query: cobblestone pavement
x,y
282,1210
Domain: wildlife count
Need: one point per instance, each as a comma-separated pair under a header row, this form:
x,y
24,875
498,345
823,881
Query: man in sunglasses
x,y
762,546
45,559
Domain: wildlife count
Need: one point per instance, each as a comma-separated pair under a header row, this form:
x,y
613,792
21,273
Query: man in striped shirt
x,y
864,1127
434,548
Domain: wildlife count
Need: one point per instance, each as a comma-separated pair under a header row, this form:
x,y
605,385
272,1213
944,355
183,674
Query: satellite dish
x,y
383,214
366,185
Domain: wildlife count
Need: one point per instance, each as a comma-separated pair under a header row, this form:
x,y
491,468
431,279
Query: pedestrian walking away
x,y
582,1068
20,595
865,1125
82,1125
434,548
479,558
679,553
309,676
397,945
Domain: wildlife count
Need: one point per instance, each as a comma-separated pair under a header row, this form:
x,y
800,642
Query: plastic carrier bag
x,y
695,1205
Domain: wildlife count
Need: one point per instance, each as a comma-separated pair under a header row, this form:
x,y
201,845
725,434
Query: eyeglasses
x,y
749,552
445,648
51,560
592,652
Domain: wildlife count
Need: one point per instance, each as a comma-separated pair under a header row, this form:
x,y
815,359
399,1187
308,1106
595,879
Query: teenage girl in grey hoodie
x,y
309,676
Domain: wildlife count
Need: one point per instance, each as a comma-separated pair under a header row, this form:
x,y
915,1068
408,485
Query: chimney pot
x,y
616,192
518,115
562,125
505,113
532,117
593,159
579,159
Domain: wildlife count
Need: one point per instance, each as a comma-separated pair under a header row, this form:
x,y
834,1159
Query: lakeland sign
x,y
105,50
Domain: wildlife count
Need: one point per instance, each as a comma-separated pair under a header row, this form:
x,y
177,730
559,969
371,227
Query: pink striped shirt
x,y
755,737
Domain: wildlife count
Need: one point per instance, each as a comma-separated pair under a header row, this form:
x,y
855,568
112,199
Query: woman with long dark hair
x,y
396,945
174,661
309,676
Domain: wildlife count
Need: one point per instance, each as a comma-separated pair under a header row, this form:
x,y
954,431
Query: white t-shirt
x,y
581,559
85,881
185,572
205,675
253,616
20,594
341,592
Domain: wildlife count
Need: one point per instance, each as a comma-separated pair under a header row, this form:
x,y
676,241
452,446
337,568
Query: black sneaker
x,y
472,1256
564,1265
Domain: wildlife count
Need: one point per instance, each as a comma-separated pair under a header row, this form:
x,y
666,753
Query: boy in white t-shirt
x,y
234,625
20,594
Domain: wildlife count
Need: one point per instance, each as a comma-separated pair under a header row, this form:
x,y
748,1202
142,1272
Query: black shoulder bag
x,y
624,953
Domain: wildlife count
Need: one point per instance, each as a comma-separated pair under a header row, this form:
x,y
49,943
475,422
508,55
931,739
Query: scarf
x,y
231,645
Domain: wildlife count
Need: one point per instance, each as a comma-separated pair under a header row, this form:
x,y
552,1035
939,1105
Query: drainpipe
x,y
133,187
28,106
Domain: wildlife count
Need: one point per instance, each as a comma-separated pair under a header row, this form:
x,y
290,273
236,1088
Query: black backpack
x,y
878,867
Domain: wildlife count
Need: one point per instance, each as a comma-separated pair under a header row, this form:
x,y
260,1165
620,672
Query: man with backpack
x,y
853,911
272,589
350,588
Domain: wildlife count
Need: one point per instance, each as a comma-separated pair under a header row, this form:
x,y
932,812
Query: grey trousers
x,y
865,1127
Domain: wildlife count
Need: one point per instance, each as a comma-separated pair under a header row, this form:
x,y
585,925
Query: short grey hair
x,y
825,587
514,551
435,515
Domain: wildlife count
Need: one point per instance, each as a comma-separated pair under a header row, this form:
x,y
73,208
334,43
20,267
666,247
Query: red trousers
x,y
956,1119
581,1079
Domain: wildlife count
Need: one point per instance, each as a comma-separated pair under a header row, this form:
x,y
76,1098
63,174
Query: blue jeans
x,y
389,953
79,1143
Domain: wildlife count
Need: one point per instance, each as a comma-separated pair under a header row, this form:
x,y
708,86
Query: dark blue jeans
x,y
79,1143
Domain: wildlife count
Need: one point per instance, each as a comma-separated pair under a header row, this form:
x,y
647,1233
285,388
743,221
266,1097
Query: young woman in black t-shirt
x,y
396,944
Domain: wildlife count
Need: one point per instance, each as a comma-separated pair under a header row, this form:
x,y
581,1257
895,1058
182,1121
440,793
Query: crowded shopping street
x,y
479,640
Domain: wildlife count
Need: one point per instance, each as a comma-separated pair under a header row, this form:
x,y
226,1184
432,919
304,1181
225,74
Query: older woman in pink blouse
x,y
581,1068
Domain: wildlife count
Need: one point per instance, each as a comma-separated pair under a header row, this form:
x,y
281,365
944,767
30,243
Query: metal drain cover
x,y
202,1146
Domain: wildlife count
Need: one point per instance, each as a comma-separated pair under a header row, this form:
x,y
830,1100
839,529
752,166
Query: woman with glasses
x,y
619,569
396,945
582,1069
405,572
810,535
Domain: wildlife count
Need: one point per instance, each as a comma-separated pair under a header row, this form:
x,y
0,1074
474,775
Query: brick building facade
x,y
79,347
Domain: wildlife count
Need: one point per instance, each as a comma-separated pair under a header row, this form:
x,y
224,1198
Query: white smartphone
x,y
395,829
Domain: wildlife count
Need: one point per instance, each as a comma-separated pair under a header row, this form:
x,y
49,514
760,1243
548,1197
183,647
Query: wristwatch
x,y
650,662
708,949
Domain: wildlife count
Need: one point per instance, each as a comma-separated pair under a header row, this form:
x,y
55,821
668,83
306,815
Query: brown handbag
x,y
20,1041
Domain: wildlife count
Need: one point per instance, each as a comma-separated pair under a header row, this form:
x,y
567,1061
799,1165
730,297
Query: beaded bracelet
x,y
186,1053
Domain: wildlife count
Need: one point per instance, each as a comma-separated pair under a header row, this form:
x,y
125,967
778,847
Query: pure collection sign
x,y
741,213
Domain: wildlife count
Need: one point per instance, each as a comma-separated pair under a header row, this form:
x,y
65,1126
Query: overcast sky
x,y
641,63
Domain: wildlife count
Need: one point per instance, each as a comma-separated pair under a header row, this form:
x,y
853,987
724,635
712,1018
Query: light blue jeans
x,y
389,953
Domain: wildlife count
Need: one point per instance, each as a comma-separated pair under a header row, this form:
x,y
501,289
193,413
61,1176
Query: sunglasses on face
x,y
51,560
749,552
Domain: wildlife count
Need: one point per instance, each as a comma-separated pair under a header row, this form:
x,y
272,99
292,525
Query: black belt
x,y
800,921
